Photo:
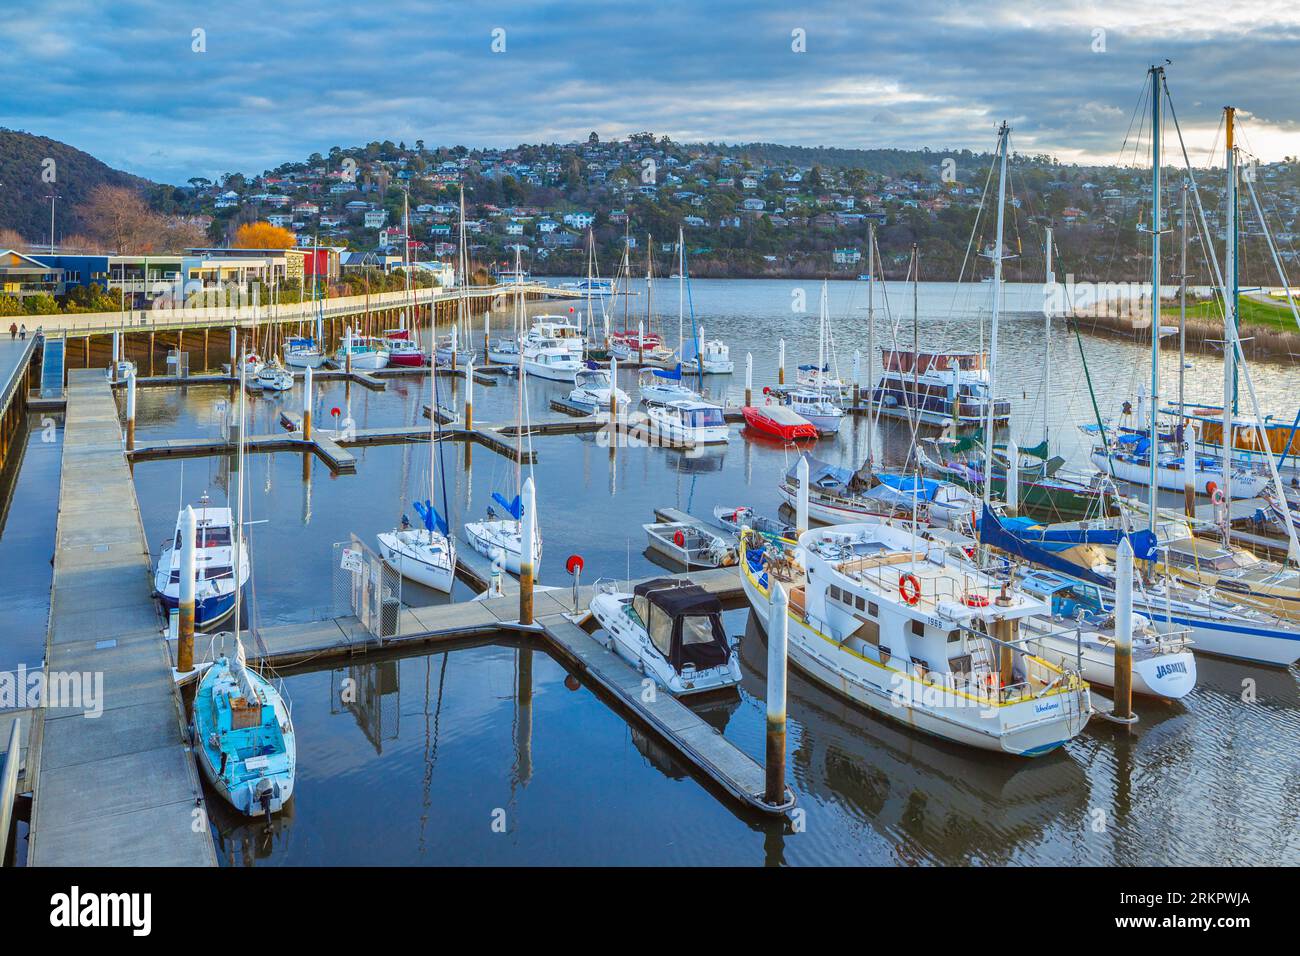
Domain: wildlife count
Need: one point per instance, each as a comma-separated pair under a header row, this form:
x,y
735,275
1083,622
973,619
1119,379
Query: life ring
x,y
679,539
909,588
975,600
1210,488
768,400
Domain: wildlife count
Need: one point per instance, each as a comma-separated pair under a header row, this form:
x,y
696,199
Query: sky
x,y
171,90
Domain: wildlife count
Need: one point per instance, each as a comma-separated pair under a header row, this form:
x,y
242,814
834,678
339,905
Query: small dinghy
x,y
592,388
274,377
670,631
733,519
243,736
779,421
689,545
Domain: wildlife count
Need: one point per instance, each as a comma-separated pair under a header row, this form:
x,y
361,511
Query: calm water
x,y
452,748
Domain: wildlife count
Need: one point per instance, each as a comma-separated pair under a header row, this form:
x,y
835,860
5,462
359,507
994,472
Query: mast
x,y
1157,83
649,280
1049,297
406,260
1004,132
871,334
464,278
1230,310
239,500
1182,311
681,295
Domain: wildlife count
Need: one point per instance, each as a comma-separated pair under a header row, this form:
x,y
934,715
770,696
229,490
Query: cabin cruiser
x,y
818,408
547,359
402,349
897,625
592,389
713,359
215,582
1080,634
551,330
671,631
687,422
938,388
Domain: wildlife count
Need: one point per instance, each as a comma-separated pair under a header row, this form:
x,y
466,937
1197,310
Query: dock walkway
x,y
118,789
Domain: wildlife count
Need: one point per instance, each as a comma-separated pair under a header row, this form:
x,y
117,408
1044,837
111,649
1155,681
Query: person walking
x,y
22,332
13,330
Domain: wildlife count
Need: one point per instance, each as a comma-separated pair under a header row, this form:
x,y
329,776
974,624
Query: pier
x,y
15,363
119,789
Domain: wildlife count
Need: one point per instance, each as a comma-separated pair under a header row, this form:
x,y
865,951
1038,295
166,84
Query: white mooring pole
x,y
778,622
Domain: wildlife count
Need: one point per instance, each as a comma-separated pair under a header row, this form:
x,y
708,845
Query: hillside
x,y
23,203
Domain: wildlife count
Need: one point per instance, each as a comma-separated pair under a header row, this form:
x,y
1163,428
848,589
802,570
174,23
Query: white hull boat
x,y
689,545
592,390
1171,475
670,631
687,423
424,556
503,536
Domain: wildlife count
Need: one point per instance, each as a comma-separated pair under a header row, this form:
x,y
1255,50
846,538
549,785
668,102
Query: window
x,y
859,602
954,637
697,629
872,609
918,629
661,630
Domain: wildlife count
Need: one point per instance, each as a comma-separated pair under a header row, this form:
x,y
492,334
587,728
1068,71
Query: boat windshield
x,y
703,417
208,538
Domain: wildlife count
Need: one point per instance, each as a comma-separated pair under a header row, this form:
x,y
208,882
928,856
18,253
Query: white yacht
x,y
819,408
549,360
669,630
549,330
660,385
897,625
687,422
215,583
424,555
303,353
592,389
367,355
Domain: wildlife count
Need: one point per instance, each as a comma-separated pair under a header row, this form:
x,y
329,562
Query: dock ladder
x,y
52,363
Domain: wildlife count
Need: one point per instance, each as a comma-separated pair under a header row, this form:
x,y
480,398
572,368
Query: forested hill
x,y
886,162
24,205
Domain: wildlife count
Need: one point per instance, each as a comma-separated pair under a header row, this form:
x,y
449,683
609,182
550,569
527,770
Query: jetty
x,y
120,788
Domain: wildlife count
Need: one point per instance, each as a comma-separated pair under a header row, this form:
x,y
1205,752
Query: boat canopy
x,y
822,474
684,622
674,373
911,485
1040,545
515,508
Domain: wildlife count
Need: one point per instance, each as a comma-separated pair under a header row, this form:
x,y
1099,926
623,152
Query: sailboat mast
x,y
406,260
681,294
1182,312
239,500
1003,134
1157,84
1230,306
1049,298
871,334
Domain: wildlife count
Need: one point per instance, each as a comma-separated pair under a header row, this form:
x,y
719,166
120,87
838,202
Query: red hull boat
x,y
402,350
779,421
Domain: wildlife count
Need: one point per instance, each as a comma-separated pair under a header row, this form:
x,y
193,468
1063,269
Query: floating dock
x,y
119,789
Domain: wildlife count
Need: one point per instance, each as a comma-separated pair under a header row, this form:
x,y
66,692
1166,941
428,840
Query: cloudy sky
x,y
280,80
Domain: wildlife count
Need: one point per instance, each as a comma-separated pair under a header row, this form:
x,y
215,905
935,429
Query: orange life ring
x,y
909,588
975,600
679,539
1210,488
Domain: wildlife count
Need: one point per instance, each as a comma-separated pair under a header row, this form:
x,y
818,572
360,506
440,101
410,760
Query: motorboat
x,y
743,516
215,581
818,408
689,545
551,361
941,389
779,421
892,623
551,330
592,389
505,351
366,354
664,385
687,422
669,630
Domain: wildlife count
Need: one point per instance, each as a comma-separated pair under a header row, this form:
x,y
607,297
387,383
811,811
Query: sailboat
x,y
242,728
303,351
820,377
505,535
427,554
453,348
217,584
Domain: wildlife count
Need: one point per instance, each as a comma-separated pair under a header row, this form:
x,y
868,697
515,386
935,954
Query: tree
x,y
262,235
116,218
11,239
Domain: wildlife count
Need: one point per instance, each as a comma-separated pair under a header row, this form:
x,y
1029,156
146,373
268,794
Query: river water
x,y
440,760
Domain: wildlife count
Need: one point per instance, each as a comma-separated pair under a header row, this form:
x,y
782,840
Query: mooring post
x,y
306,404
528,544
130,411
113,361
640,342
749,378
780,362
801,506
487,358
857,378
1013,478
469,398
455,347
234,350
185,633
1123,631
1189,473
347,352
778,623
613,397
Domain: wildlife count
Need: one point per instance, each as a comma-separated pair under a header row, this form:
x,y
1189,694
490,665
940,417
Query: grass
x,y
1251,312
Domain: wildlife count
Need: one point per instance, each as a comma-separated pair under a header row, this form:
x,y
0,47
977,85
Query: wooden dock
x,y
119,789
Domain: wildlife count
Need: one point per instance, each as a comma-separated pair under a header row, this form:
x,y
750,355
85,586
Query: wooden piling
x,y
778,623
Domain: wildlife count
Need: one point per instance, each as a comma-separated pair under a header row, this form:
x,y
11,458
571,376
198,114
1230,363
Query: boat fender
x,y
1210,488
679,539
975,600
909,588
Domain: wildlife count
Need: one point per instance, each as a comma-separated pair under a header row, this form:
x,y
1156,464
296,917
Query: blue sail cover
x,y
1033,544
592,366
927,488
674,373
516,507
814,368
429,515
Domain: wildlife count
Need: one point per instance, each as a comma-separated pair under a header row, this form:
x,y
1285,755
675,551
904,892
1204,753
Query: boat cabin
x,y
684,623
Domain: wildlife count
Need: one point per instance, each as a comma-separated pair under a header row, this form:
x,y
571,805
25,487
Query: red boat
x,y
779,421
401,349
